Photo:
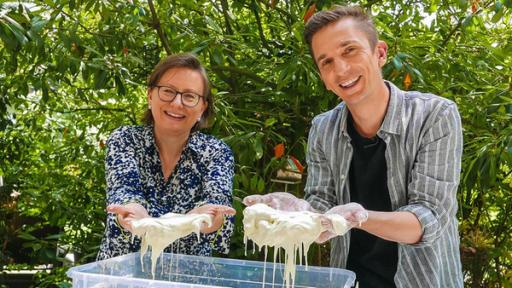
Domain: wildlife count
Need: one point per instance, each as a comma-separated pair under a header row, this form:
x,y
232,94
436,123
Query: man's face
x,y
348,65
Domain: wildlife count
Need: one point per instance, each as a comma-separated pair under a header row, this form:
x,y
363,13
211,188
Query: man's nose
x,y
341,67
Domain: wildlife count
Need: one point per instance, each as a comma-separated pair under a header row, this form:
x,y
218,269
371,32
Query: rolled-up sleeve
x,y
217,189
319,190
435,175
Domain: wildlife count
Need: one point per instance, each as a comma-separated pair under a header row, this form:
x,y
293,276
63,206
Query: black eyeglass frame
x,y
176,95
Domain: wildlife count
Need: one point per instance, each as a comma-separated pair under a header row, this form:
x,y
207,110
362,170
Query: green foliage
x,y
72,71
56,278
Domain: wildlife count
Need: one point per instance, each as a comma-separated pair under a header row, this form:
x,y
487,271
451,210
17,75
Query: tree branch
x,y
459,24
247,74
156,25
92,109
84,27
225,8
108,109
282,11
258,21
454,29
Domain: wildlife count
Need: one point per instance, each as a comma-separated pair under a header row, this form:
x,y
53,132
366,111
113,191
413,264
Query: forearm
x,y
401,227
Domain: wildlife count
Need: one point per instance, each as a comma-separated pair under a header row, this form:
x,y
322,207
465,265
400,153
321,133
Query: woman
x,y
168,166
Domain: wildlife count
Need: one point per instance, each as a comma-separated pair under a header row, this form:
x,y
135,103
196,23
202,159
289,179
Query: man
x,y
395,153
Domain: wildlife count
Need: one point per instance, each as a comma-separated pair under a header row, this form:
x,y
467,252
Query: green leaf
x,y
498,6
270,121
44,90
212,24
218,57
258,148
120,86
100,79
8,37
297,29
27,236
261,185
142,11
497,16
254,183
38,24
467,21
463,4
16,29
54,236
246,182
397,63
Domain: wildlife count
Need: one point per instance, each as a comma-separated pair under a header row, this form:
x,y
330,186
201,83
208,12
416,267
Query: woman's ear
x,y
205,106
150,96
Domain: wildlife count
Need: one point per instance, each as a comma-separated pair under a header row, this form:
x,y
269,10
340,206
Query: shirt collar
x,y
392,120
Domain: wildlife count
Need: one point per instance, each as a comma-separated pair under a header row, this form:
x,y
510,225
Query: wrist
x,y
364,225
200,203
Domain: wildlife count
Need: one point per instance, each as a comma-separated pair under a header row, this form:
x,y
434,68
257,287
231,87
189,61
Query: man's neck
x,y
368,116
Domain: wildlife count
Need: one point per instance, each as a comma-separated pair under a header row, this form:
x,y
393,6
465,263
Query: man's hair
x,y
335,14
184,60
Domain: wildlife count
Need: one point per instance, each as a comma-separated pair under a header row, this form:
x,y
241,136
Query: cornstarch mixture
x,y
292,231
161,232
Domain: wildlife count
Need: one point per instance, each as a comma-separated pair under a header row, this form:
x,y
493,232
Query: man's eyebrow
x,y
342,44
321,57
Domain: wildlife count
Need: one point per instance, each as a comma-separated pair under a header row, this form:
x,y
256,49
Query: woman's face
x,y
171,116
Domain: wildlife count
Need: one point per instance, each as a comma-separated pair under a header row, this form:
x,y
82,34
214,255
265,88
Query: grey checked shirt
x,y
423,153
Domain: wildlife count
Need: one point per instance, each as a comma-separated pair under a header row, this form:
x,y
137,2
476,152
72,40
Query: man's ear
x,y
382,52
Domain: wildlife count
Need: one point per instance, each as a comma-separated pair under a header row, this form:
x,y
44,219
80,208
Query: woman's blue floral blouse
x,y
203,175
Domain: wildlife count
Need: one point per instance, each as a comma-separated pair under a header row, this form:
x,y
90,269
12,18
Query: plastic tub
x,y
176,270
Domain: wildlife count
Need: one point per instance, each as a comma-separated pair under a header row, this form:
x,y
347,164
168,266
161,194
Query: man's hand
x,y
128,213
217,213
280,201
353,213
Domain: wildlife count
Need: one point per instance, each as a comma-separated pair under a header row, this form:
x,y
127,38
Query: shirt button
x,y
342,177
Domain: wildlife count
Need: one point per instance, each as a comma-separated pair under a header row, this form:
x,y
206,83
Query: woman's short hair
x,y
183,60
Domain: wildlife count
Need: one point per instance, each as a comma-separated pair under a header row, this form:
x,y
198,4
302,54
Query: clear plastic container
x,y
176,270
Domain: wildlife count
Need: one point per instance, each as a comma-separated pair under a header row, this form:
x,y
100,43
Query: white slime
x,y
292,231
163,231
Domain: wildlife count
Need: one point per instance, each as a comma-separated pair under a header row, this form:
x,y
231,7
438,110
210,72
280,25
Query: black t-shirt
x,y
373,259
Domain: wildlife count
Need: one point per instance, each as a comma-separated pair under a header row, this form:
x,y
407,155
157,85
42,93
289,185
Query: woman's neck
x,y
169,145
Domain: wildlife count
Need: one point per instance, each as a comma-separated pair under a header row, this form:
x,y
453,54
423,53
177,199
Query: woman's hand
x,y
217,213
128,213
